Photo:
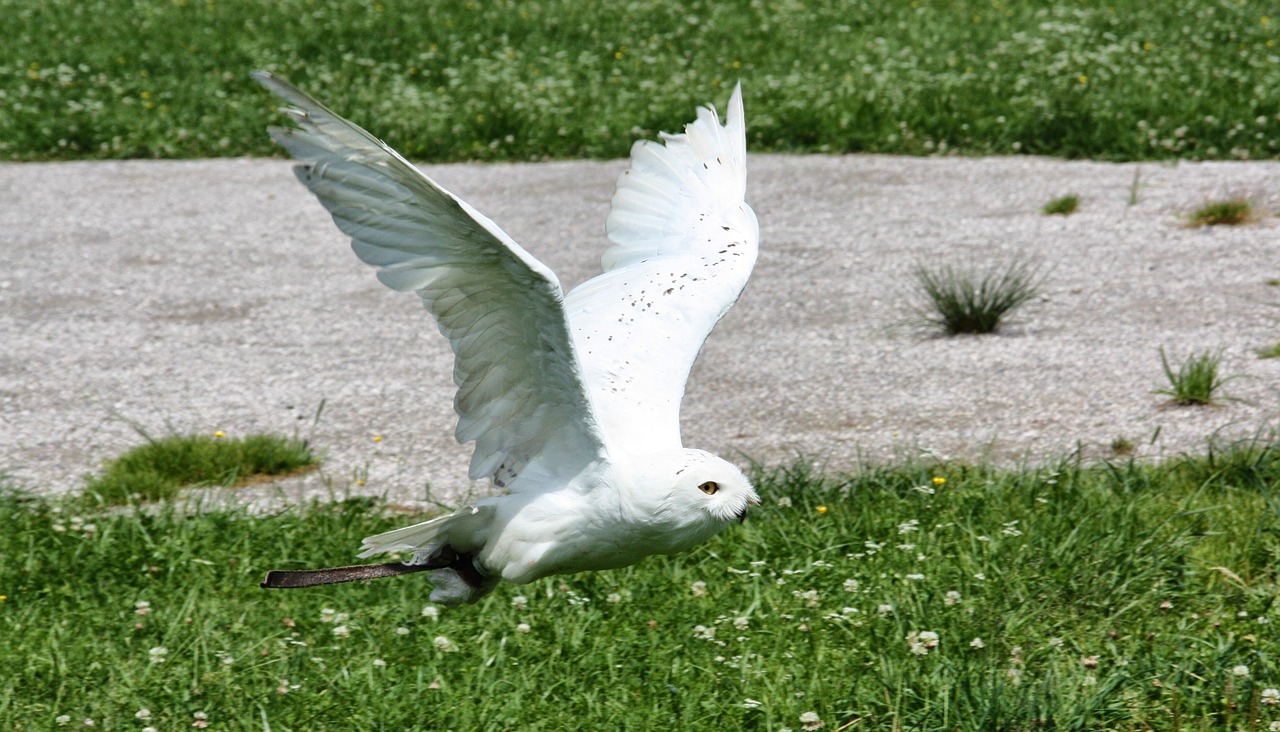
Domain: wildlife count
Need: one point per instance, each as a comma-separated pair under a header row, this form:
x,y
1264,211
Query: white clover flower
x,y
327,615
523,628
811,720
1089,680
702,632
810,597
909,526
444,645
62,720
1056,642
1242,671
1274,726
851,585
922,642
977,643
951,598
519,602
228,660
884,610
88,722
741,623
613,598
341,631
699,588
202,720
784,502
141,607
916,577
379,663
1011,529
1270,697
402,631
431,612
158,654
980,576
149,729
143,713
750,704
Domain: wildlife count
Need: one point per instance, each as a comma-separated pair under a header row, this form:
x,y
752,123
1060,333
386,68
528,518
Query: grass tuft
x,y
975,302
1271,351
1197,381
1223,213
160,467
1063,206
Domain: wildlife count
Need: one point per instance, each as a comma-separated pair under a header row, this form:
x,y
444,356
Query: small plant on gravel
x,y
1225,213
1064,205
158,468
1271,351
1121,446
975,302
1197,381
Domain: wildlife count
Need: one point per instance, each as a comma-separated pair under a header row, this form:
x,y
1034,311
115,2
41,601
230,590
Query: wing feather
x,y
684,242
520,390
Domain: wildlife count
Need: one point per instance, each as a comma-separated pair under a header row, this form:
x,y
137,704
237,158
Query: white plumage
x,y
573,401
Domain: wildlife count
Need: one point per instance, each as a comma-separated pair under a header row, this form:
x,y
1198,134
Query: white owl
x,y
572,400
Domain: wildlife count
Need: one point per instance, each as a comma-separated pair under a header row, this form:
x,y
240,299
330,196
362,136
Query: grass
x,y
1064,206
1126,80
1197,381
1271,351
1114,595
160,467
975,302
1223,213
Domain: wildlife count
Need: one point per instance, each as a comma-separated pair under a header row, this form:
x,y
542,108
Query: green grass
x,y
160,467
972,301
1197,381
1223,213
1107,596
1123,80
1064,205
1271,351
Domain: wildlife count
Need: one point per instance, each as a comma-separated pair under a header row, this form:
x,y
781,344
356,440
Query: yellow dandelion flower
x,y
1082,79
3,598
1148,46
219,434
820,509
939,480
377,438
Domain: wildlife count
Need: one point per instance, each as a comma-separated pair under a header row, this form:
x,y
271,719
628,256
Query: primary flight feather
x,y
572,400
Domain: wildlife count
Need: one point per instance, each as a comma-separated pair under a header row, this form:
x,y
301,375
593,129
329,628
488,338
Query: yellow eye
x,y
710,487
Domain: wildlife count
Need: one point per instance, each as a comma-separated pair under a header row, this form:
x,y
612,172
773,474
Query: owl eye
x,y
710,487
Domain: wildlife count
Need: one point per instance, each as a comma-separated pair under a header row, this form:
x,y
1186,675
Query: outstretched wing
x,y
684,242
519,386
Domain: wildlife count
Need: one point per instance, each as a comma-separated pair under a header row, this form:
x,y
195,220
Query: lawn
x,y
943,596
1120,80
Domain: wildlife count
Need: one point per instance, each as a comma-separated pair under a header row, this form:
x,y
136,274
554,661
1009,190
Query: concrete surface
x,y
217,295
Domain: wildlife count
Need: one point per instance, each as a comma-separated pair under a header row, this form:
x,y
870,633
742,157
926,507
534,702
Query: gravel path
x,y
217,295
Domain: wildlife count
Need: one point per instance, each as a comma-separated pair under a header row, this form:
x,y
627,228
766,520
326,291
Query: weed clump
x,y
975,302
1197,381
1063,206
160,467
1223,213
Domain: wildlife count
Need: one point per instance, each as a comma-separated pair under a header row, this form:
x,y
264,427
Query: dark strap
x,y
290,578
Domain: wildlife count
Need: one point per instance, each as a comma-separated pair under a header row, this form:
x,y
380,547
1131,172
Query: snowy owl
x,y
572,400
